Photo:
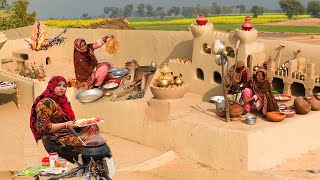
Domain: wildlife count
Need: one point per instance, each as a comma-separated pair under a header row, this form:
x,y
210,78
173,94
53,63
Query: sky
x,y
75,8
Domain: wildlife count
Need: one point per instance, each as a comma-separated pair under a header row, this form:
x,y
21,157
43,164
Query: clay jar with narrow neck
x,y
315,102
247,25
302,105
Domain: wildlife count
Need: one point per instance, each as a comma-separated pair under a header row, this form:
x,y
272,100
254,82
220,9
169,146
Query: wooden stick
x,y
18,94
122,93
225,92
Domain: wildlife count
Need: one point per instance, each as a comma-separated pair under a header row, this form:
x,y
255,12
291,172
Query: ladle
x,y
77,135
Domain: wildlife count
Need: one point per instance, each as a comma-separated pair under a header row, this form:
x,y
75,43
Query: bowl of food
x,y
275,116
288,112
90,95
282,106
282,97
111,85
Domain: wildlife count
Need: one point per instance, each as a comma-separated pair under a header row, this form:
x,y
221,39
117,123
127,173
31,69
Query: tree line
x,y
291,8
18,15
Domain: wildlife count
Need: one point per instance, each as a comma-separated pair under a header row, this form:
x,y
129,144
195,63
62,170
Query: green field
x,y
223,23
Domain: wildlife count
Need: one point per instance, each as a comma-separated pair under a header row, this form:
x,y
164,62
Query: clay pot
x,y
235,110
315,103
275,116
201,20
302,105
41,77
169,93
247,25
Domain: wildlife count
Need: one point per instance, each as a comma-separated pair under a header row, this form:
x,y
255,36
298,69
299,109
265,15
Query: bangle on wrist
x,y
66,125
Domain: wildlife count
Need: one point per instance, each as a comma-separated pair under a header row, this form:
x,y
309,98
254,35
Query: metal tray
x,y
118,74
113,69
91,92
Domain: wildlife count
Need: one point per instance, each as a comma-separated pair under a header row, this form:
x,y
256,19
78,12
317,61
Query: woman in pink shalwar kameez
x,y
87,69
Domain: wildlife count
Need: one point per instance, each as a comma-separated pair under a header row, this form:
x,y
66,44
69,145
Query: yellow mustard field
x,y
232,19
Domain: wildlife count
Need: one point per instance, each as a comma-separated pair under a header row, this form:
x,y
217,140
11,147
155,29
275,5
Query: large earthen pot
x,y
315,103
302,105
235,110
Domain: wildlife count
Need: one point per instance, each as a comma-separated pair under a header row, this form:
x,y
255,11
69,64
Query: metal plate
x,y
113,69
118,74
216,98
111,85
90,95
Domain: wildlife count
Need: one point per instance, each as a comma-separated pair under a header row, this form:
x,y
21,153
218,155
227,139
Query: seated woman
x,y
261,94
240,76
87,69
51,115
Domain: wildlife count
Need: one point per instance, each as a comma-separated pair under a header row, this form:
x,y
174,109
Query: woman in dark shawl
x,y
87,69
263,98
236,77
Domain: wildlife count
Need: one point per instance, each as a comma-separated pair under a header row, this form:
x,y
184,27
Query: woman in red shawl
x,y
236,77
263,98
87,69
51,115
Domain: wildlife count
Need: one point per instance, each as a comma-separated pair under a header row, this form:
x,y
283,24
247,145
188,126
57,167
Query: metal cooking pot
x,y
217,47
251,120
220,59
220,105
96,151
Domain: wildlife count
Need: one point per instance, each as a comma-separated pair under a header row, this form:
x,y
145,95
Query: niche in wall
x,y
297,89
278,85
24,56
217,77
230,51
316,89
200,74
206,48
48,60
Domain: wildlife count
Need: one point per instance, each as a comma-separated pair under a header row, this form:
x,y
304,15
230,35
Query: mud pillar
x,y
286,88
309,89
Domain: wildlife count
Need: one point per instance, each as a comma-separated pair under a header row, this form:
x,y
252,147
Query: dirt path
x,y
298,22
295,37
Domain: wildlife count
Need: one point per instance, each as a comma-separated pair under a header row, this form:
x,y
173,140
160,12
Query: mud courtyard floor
x,y
135,161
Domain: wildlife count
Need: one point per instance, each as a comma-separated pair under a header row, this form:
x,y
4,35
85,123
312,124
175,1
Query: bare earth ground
x,y
309,38
298,22
128,155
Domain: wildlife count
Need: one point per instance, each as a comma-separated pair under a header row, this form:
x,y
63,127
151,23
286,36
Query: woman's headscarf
x,y
49,93
77,48
234,76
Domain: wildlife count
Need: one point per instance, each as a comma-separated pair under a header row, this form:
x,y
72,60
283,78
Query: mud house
x,y
186,125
